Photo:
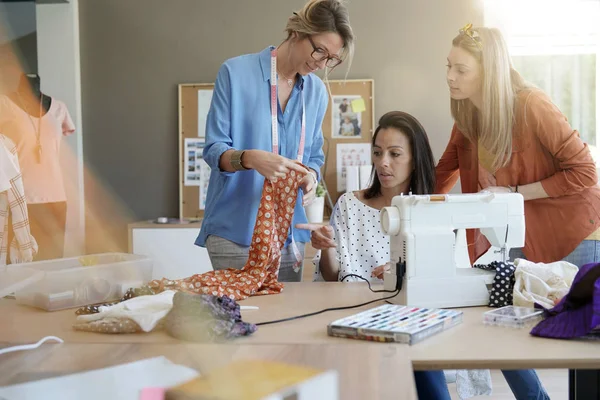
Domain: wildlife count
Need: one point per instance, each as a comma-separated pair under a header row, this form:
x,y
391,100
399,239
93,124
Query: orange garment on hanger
x,y
259,274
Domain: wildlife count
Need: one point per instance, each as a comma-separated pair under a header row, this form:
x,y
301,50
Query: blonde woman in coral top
x,y
510,137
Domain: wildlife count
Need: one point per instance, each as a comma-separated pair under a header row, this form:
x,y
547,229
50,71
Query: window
x,y
555,44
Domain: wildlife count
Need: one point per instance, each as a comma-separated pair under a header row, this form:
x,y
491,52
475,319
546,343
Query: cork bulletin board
x,y
194,100
340,128
348,124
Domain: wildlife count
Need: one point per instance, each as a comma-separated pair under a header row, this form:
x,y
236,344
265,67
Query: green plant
x,y
320,191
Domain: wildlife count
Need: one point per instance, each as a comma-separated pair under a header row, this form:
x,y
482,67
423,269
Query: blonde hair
x,y
500,83
322,16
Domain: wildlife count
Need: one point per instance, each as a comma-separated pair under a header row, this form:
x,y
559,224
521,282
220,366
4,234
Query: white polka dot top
x,y
361,245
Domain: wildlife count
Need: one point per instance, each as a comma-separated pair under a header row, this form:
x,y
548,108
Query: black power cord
x,y
368,283
338,308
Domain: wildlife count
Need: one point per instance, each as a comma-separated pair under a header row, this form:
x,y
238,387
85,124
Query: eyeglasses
x,y
318,54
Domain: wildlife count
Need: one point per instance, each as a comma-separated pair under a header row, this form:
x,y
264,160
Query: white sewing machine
x,y
434,270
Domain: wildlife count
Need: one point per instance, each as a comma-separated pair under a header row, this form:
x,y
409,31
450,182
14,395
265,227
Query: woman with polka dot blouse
x,y
353,243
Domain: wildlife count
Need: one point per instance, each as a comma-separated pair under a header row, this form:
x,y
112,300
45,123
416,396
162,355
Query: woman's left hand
x,y
309,187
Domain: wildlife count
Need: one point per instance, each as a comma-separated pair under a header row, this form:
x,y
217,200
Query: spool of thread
x,y
162,220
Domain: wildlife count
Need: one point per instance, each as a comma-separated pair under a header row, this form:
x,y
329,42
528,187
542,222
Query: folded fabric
x,y
577,314
541,283
501,292
206,318
130,294
145,311
259,274
109,325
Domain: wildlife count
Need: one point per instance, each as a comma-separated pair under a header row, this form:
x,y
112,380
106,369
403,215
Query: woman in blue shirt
x,y
248,141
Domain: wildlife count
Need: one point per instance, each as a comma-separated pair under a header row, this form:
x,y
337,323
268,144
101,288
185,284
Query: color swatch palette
x,y
395,323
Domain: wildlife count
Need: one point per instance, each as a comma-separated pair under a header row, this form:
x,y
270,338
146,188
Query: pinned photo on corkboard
x,y
349,120
346,117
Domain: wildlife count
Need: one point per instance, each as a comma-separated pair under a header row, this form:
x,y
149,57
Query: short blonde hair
x,y
322,16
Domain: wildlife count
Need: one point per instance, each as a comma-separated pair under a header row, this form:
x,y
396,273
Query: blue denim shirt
x,y
240,118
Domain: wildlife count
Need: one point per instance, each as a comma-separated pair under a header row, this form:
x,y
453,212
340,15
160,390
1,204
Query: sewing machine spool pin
x,y
504,251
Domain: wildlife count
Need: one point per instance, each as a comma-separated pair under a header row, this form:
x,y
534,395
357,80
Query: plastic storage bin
x,y
13,278
81,281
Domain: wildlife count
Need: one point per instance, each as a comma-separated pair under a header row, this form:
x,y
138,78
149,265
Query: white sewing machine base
x,y
469,287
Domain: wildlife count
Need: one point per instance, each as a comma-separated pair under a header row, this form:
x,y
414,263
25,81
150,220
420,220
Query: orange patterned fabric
x,y
259,275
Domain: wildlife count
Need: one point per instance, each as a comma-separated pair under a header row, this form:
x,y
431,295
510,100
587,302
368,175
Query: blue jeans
x,y
431,385
587,252
525,385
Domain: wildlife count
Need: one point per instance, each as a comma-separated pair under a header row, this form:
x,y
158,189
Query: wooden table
x,y
22,324
468,345
385,372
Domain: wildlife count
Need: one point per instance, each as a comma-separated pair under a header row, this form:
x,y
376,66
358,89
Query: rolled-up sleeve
x,y
317,157
576,167
218,121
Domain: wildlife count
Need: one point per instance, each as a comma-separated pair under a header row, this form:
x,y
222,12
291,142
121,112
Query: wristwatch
x,y
236,160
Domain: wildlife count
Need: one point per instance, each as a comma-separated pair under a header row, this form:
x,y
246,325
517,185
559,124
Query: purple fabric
x,y
578,313
206,318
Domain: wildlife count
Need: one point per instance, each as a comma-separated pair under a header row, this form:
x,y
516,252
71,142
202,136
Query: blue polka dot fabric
x,y
501,293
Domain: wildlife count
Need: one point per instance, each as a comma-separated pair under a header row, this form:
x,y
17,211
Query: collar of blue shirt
x,y
265,64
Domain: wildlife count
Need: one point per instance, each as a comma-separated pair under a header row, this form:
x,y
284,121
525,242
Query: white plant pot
x,y
314,211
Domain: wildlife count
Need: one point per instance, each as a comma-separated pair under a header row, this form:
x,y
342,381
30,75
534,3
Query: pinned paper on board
x,y
197,171
193,158
204,100
346,123
350,155
358,105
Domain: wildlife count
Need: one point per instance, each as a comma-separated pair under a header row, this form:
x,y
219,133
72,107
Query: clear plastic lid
x,y
14,277
513,316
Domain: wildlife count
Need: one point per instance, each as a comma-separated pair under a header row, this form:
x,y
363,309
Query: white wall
x,y
59,70
16,20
